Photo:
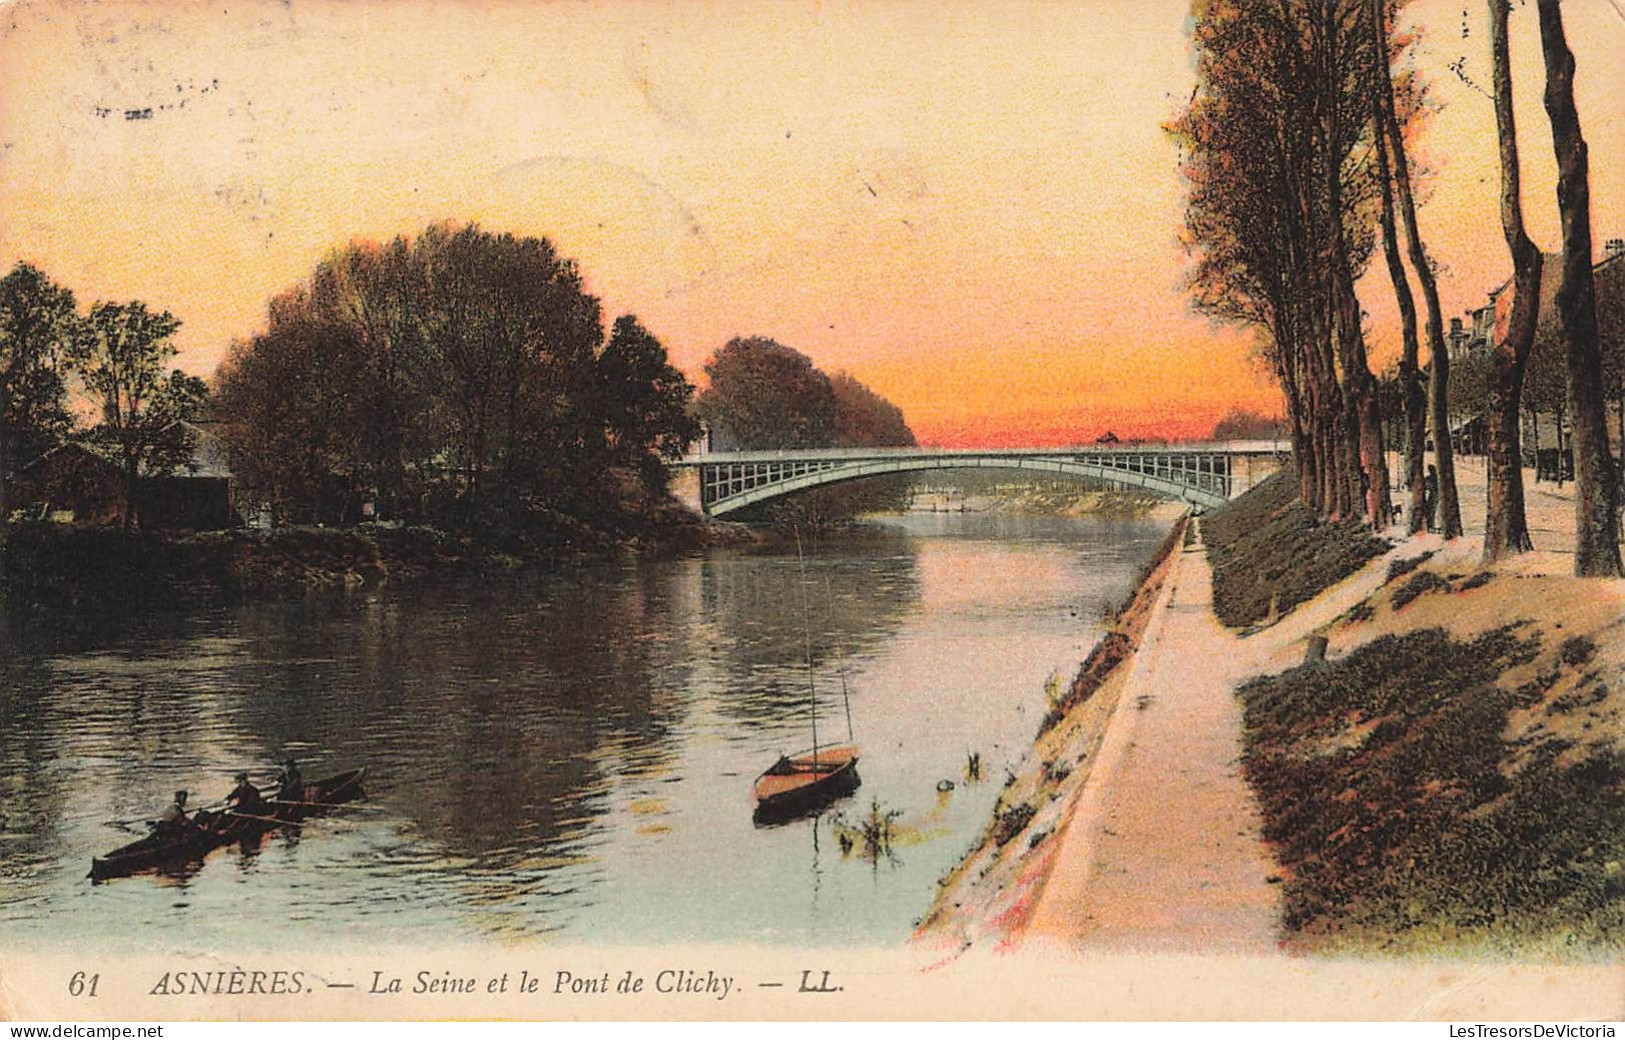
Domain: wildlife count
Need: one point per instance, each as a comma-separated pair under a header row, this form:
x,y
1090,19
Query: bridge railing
x,y
1233,448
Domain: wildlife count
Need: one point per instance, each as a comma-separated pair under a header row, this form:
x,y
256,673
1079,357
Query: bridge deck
x,y
1233,448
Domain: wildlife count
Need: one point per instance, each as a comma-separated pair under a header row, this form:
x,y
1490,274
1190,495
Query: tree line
x,y
1294,149
765,396
116,358
460,378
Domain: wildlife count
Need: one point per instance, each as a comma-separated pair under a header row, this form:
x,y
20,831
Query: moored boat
x,y
806,781
210,829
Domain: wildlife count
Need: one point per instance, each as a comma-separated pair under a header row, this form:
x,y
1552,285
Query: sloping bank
x,y
1448,782
991,893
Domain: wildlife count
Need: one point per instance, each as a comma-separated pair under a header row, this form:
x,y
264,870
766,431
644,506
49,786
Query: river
x,y
557,757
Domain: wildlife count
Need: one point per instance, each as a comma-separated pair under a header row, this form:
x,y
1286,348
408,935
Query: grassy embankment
x,y
990,894
1451,781
1269,556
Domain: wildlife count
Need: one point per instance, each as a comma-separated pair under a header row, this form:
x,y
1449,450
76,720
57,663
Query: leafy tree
x,y
764,395
37,322
121,354
298,403
1279,215
645,403
864,419
461,376
1239,424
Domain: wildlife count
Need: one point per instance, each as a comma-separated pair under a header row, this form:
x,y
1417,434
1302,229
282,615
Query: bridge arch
x,y
1166,486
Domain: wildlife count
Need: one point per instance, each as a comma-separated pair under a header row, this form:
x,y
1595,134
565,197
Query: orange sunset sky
x,y
969,206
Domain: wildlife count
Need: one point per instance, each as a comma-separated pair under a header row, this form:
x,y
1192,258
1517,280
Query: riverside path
x,y
1164,852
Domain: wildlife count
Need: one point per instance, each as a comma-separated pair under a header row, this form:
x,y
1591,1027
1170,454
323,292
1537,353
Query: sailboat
x,y
805,781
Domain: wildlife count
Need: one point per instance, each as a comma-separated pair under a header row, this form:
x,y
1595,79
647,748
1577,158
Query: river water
x,y
562,757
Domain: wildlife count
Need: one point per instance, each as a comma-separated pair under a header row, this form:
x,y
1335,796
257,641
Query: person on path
x,y
1430,498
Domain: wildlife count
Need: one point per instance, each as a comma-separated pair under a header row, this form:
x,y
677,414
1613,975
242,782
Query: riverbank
x,y
990,897
1449,782
54,569
1044,500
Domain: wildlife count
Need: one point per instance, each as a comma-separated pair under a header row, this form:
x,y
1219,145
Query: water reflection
x,y
569,752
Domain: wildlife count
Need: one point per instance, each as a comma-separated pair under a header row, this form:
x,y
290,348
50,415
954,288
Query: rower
x,y
290,786
245,797
174,820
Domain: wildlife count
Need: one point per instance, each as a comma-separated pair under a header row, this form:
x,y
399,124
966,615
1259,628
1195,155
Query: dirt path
x,y
1164,851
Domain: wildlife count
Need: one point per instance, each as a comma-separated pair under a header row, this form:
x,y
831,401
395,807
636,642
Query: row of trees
x,y
766,396
1296,159
116,357
461,377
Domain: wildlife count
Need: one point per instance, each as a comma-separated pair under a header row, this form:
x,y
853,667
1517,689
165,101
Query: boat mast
x,y
806,629
846,698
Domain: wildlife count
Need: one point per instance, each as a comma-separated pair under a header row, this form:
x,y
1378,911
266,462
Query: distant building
x,y
1486,326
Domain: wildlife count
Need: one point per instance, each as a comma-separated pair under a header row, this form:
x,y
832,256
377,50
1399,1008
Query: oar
x,y
262,819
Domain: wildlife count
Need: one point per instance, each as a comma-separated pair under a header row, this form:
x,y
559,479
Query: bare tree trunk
x,y
1410,376
131,480
1560,414
1534,439
1506,528
1439,381
1596,498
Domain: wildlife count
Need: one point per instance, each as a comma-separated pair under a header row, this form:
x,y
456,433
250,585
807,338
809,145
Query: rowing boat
x,y
808,780
207,829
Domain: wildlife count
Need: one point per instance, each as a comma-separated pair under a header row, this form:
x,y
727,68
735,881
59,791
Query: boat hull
x,y
797,786
211,830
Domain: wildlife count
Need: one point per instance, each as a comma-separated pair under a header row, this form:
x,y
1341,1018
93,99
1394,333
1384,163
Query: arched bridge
x,y
1204,475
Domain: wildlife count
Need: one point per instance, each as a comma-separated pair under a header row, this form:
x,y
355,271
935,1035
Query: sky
x,y
971,207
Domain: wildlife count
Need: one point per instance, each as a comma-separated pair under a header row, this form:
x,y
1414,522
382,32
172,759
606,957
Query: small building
x,y
73,483
197,497
70,483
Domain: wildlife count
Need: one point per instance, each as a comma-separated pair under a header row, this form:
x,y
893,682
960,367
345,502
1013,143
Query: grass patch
x,y
1421,583
1269,554
1390,794
1402,567
1011,821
